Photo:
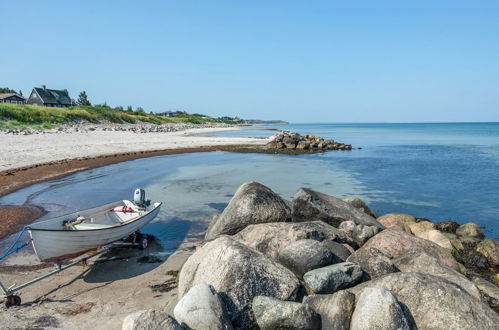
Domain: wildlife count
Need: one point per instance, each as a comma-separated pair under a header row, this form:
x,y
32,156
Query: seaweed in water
x,y
149,260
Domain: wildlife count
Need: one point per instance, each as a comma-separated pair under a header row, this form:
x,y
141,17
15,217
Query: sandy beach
x,y
26,150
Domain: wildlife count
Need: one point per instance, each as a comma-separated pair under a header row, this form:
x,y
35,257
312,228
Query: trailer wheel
x,y
143,242
12,301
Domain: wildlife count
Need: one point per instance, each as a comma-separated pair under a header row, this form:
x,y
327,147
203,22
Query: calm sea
x,y
435,171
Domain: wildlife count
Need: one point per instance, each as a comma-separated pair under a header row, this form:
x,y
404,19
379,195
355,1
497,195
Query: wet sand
x,y
95,296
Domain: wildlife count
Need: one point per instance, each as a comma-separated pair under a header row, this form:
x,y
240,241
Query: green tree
x,y
6,90
20,92
83,99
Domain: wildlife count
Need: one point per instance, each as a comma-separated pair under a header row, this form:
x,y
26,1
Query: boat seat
x,y
87,226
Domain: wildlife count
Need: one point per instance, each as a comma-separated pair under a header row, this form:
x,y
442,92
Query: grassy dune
x,y
21,115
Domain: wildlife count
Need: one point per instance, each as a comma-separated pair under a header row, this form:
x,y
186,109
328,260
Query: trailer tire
x,y
12,301
143,242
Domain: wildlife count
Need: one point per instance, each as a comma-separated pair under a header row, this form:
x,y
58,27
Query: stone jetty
x,y
321,262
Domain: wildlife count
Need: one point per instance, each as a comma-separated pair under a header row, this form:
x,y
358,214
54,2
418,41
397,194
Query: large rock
x,y
309,204
270,238
420,227
377,308
375,263
489,248
150,320
436,237
398,243
238,274
359,233
360,204
202,308
398,221
341,251
430,302
304,255
333,278
489,291
335,309
447,226
271,313
426,264
252,203
470,229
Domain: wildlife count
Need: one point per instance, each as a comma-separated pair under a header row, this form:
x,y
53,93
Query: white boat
x,y
76,233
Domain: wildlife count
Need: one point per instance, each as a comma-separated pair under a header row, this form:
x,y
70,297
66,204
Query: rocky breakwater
x,y
139,127
320,262
285,141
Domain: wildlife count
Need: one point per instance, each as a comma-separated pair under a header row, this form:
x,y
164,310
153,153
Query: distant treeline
x,y
16,115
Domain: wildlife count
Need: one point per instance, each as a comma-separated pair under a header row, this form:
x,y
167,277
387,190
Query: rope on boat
x,y
13,248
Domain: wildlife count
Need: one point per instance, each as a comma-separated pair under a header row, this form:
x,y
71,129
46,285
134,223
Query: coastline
x,y
48,161
27,160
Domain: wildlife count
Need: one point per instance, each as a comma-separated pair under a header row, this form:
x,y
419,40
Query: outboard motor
x,y
139,197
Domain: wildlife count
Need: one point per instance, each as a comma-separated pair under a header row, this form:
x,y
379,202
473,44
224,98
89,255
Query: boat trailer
x,y
14,300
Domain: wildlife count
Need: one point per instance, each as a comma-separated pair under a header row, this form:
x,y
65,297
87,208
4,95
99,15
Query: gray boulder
x,y
375,263
398,243
377,308
309,204
252,203
304,255
426,264
150,320
340,251
333,278
359,204
335,309
359,233
202,308
430,302
270,238
271,313
238,274
489,291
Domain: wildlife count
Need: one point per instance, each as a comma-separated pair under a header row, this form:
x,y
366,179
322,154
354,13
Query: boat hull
x,y
52,244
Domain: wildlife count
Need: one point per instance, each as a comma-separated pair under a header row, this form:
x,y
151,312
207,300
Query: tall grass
x,y
27,115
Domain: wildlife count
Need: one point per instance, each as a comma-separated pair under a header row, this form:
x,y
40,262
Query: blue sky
x,y
301,61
